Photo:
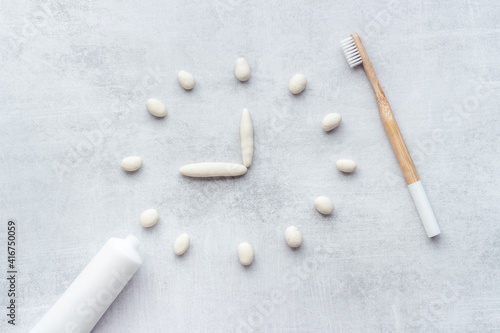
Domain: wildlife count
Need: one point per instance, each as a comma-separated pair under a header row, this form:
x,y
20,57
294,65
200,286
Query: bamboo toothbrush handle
x,y
398,145
390,125
395,137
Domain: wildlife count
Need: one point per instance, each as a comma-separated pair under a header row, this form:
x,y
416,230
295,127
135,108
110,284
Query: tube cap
x,y
133,241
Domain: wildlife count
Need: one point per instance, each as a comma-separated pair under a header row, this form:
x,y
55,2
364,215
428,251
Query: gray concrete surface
x,y
74,80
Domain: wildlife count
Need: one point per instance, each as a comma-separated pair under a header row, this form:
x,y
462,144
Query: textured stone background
x,y
74,80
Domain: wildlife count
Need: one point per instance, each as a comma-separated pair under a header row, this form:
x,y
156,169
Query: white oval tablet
x,y
245,253
346,165
293,237
156,108
324,205
331,121
181,244
131,163
297,84
186,80
242,69
149,218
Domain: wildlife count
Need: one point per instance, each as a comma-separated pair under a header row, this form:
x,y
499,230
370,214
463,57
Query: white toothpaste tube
x,y
89,296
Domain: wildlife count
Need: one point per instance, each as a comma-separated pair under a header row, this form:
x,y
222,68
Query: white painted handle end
x,y
424,209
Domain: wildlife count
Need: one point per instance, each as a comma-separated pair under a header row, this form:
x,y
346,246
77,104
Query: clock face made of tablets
x,y
293,236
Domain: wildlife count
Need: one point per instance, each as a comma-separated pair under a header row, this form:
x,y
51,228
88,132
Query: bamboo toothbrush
x,y
355,54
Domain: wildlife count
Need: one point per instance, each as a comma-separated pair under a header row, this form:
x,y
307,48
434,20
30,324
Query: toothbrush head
x,y
351,52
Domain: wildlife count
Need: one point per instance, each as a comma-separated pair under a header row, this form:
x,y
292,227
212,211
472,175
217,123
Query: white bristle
x,y
351,52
